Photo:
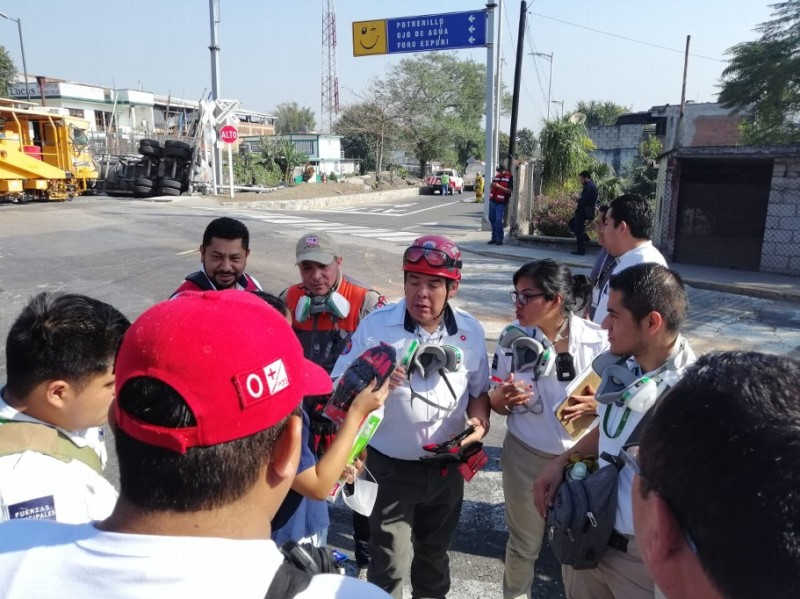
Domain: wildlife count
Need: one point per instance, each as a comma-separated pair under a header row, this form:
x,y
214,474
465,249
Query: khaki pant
x,y
521,465
617,576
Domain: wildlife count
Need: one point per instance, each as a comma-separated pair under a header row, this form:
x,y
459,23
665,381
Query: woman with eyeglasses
x,y
537,357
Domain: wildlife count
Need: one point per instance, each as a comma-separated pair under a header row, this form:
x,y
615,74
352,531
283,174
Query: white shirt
x,y
48,559
408,423
641,254
543,431
34,485
623,522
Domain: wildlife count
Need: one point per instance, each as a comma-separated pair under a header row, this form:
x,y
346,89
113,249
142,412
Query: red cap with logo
x,y
233,358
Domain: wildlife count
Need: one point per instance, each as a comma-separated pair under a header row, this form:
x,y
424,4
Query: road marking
x,y
322,225
187,252
386,211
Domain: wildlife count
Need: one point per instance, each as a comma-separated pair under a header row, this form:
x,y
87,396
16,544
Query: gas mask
x,y
527,354
334,302
622,387
427,359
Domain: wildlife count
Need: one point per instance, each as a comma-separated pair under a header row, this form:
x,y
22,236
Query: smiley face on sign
x,y
369,37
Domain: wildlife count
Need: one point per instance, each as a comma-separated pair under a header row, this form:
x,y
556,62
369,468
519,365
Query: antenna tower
x,y
330,80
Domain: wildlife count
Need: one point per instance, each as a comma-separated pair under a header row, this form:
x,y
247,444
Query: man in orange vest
x,y
499,196
326,308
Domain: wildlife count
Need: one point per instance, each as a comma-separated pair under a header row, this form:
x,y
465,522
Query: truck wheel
x,y
149,142
179,153
170,183
142,192
142,182
460,190
168,191
172,143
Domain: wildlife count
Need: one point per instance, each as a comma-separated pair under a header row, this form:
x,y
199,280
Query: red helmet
x,y
433,255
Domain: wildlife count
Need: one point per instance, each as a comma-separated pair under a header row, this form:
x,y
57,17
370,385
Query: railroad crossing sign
x,y
426,33
229,134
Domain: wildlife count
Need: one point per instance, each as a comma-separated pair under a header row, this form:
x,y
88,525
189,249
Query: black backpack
x,y
301,564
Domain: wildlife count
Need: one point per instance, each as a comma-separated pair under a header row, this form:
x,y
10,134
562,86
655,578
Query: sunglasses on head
x,y
432,256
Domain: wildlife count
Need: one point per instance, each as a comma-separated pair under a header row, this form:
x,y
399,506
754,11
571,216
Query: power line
x,y
622,37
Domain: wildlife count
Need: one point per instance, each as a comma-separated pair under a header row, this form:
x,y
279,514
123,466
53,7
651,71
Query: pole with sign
x,y
228,135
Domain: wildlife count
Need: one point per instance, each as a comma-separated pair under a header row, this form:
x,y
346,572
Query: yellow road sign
x,y
369,37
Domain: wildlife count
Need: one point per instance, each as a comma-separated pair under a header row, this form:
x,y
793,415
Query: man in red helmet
x,y
440,392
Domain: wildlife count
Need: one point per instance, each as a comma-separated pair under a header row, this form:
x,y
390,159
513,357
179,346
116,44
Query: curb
x,y
735,289
354,199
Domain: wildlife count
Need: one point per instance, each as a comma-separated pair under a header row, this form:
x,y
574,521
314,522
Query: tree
x,y
8,71
564,147
283,153
371,125
292,118
440,105
762,79
599,114
643,173
526,144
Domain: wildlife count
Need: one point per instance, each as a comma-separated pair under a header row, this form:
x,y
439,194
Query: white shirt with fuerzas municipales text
x,y
49,559
642,254
34,485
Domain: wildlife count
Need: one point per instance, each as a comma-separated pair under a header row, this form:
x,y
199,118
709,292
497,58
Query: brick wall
x,y
780,252
715,131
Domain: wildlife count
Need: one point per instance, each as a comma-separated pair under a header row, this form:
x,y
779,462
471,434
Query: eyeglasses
x,y
432,256
630,456
524,298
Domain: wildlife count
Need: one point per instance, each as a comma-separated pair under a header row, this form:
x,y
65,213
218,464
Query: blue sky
x,y
271,50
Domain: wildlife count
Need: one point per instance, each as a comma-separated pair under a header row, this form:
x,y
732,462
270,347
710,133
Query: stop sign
x,y
229,134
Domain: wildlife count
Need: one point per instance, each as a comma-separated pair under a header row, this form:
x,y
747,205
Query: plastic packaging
x,y
375,363
365,432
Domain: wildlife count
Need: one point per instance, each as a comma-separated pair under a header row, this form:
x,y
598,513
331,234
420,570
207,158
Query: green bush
x,y
550,216
250,170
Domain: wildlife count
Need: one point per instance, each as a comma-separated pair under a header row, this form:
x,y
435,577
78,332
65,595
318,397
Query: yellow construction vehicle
x,y
43,154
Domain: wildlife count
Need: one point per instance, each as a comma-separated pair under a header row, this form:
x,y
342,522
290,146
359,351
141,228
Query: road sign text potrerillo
x,y
424,33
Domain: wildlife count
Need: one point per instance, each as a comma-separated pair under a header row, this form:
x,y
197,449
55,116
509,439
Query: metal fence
x,y
103,143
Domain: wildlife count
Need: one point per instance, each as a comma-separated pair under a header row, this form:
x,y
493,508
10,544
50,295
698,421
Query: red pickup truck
x,y
434,182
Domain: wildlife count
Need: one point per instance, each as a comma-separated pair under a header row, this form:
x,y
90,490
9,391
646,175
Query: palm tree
x,y
563,146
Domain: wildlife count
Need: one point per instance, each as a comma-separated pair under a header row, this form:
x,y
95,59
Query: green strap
x,y
30,436
621,425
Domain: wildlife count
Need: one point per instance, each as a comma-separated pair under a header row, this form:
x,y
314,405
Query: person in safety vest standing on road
x,y
326,308
441,392
499,195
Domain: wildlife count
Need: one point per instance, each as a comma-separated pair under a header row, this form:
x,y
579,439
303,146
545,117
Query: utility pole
x,y
22,49
489,162
213,6
550,81
512,141
681,120
498,83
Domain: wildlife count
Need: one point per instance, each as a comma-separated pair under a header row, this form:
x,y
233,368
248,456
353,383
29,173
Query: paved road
x,y
134,253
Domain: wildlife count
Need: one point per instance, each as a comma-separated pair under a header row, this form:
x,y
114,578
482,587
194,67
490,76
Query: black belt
x,y
618,542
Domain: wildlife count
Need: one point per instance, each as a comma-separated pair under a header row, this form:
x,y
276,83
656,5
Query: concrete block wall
x,y
780,251
617,145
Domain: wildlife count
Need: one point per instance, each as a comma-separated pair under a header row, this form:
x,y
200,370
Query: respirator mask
x,y
427,360
334,302
527,354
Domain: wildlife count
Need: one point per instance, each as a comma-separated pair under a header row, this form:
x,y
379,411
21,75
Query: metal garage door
x,y
722,210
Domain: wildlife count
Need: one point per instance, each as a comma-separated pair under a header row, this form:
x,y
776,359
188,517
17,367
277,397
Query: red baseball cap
x,y
233,358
